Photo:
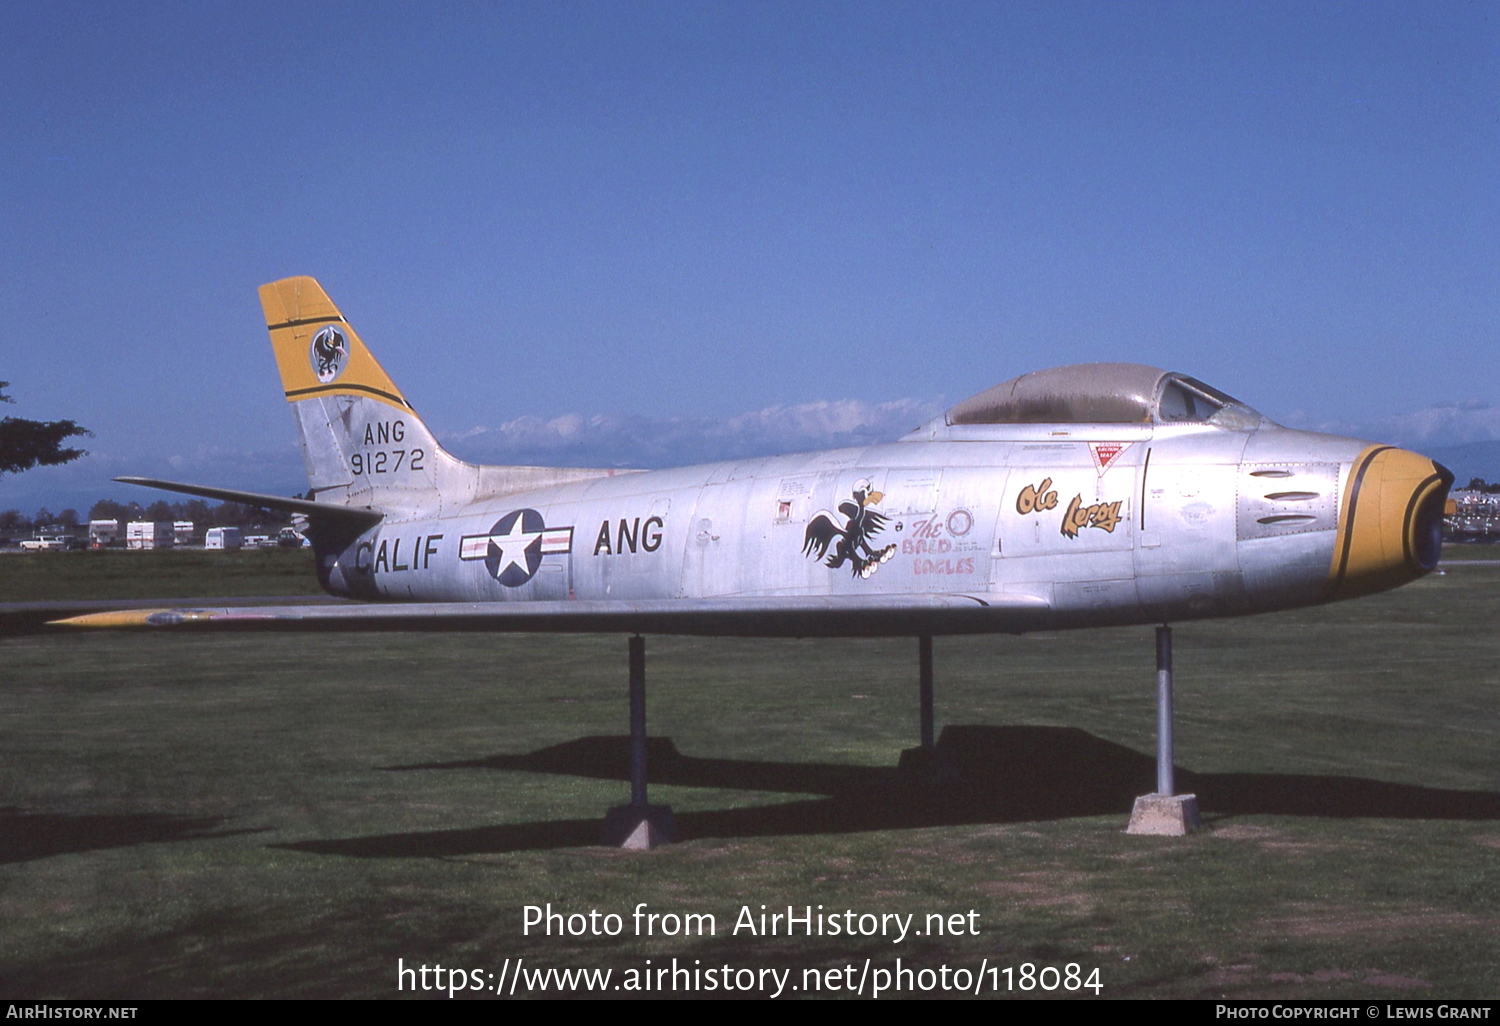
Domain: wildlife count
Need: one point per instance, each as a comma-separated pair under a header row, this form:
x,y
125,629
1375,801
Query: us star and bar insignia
x,y
513,549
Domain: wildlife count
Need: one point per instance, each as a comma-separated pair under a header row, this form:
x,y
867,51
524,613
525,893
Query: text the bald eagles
x,y
761,921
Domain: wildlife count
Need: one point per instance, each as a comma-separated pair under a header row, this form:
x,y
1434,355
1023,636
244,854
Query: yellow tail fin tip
x,y
317,352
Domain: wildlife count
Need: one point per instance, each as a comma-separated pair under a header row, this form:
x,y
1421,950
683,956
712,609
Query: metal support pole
x,y
638,825
1164,782
924,687
637,720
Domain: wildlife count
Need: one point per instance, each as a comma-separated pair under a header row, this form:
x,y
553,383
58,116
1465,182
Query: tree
x,y
34,443
232,514
108,509
195,510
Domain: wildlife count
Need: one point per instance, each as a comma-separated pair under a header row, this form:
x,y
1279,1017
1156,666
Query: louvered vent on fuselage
x,y
1304,499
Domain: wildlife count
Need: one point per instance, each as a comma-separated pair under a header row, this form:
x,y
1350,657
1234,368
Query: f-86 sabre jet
x,y
1081,496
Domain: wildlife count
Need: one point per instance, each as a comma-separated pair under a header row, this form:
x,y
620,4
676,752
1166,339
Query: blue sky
x,y
586,231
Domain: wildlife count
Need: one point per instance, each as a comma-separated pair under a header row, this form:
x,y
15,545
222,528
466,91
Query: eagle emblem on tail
x,y
851,542
329,352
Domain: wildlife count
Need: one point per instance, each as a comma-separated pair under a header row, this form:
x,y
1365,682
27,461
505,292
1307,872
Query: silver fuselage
x,y
1074,496
1103,523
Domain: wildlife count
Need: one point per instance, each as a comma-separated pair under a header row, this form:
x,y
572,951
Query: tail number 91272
x,y
386,461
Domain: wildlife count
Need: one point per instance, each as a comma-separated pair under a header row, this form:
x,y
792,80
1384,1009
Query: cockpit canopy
x,y
1104,393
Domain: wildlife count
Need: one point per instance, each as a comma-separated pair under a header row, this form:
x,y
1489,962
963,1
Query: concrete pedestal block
x,y
1165,815
639,827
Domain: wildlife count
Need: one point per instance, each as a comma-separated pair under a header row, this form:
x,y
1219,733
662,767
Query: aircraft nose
x,y
1391,521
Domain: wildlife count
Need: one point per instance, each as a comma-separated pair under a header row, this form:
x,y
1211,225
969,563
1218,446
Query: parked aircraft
x,y
1090,495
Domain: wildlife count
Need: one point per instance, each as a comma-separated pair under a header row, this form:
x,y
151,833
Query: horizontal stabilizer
x,y
766,617
326,511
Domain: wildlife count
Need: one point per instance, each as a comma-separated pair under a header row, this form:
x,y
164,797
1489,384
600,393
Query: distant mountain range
x,y
1470,460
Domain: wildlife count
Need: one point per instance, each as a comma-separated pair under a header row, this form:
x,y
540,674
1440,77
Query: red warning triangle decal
x,y
1106,453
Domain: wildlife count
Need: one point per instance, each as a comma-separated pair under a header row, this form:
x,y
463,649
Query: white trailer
x,y
223,538
147,534
182,532
103,532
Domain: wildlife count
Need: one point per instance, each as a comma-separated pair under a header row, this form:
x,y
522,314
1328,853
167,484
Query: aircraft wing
x,y
353,515
18,618
770,616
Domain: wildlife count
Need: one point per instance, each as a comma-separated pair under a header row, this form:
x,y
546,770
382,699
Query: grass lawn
x,y
161,573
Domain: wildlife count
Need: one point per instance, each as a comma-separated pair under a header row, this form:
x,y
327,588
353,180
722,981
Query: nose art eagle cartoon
x,y
853,539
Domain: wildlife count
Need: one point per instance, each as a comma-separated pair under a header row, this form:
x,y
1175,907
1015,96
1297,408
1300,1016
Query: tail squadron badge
x,y
328,353
850,543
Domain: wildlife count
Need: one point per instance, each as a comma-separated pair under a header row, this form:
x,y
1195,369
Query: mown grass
x,y
289,815
160,573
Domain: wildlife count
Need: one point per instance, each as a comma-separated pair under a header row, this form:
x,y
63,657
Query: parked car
x,y
49,542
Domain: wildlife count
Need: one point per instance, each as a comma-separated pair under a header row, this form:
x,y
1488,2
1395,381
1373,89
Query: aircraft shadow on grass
x,y
25,836
993,775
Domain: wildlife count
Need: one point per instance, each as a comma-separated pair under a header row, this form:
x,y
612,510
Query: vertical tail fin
x,y
317,351
362,442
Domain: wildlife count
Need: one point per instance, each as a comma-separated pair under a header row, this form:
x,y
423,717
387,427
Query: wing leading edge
x,y
352,516
772,617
